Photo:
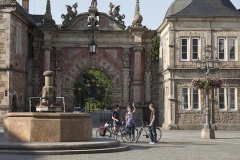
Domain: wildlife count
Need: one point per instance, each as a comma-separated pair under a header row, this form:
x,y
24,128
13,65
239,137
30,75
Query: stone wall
x,y
14,43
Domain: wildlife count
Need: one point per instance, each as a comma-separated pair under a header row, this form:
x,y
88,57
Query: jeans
x,y
153,133
132,129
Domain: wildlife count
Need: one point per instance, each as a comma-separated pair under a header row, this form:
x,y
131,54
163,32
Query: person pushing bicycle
x,y
116,120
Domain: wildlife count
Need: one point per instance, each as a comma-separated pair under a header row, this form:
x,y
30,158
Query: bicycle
x,y
123,132
147,133
104,131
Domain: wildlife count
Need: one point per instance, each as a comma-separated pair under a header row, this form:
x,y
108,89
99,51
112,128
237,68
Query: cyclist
x,y
152,125
116,120
129,117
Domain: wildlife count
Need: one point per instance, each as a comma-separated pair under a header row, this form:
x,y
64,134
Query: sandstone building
x,y
190,26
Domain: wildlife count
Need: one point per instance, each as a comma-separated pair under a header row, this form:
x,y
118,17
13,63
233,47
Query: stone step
x,y
97,145
120,148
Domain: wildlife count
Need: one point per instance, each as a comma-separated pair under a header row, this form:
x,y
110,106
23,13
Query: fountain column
x,y
48,90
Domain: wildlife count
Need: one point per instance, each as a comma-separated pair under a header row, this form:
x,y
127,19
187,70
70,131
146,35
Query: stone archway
x,y
106,61
14,103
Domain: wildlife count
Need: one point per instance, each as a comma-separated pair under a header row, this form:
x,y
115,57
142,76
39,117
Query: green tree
x,y
97,89
155,47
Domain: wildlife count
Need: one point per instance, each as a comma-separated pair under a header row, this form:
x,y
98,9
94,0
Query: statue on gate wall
x,y
94,4
115,13
71,14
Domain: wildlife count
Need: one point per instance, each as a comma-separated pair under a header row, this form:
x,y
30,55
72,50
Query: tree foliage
x,y
155,47
95,89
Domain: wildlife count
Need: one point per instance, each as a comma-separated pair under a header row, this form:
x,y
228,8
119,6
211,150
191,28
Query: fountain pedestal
x,y
47,127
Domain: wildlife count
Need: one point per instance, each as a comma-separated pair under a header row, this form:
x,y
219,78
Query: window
x,y
232,49
227,49
232,98
184,49
221,49
195,99
189,49
221,98
185,98
194,49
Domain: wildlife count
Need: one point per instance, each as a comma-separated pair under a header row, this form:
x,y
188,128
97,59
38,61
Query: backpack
x,y
102,130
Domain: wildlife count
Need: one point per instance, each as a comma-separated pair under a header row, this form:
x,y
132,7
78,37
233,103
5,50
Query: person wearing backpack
x,y
116,120
130,122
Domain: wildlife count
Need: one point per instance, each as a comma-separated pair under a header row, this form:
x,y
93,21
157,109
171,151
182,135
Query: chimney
x,y
25,4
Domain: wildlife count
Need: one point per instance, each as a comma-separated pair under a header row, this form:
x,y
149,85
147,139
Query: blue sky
x,y
153,11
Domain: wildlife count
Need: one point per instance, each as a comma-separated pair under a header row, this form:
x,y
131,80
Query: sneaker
x,y
151,142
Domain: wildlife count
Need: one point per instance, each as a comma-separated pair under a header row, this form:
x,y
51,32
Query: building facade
x,y
33,44
188,29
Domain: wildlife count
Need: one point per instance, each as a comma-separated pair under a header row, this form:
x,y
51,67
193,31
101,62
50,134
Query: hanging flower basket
x,y
207,83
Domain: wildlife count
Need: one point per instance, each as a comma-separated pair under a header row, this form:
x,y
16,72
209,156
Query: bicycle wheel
x,y
126,135
159,134
108,134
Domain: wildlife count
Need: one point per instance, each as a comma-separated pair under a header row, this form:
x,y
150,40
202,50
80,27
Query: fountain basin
x,y
47,127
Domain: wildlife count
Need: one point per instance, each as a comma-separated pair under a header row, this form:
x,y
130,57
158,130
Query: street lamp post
x,y
207,66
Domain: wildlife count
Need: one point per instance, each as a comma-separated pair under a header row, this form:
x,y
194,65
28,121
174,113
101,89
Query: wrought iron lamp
x,y
208,65
92,45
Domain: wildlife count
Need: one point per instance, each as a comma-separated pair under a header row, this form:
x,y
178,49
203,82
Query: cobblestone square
x,y
174,145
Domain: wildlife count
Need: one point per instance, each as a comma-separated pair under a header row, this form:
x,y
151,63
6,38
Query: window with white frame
x,y
185,98
221,49
184,42
189,52
222,98
195,99
227,49
232,49
194,49
232,98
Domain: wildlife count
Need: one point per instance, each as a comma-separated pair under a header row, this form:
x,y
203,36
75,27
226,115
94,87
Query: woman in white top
x,y
129,116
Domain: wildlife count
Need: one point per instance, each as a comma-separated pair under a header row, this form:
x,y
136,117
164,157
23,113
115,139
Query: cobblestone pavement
x,y
174,145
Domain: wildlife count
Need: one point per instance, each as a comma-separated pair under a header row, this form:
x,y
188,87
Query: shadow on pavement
x,y
238,138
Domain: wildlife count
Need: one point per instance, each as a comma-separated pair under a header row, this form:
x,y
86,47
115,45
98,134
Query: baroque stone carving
x,y
148,81
126,58
115,13
112,53
71,14
94,4
126,82
148,57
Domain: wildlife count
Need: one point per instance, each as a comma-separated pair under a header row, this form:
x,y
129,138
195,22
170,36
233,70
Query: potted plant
x,y
207,83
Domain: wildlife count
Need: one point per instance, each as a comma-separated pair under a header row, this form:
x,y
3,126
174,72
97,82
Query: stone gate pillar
x,y
148,75
137,77
58,71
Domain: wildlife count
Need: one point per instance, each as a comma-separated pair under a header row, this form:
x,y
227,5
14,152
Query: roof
x,y
25,13
38,19
202,8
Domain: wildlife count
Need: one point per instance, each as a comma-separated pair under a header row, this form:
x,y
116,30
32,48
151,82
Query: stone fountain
x,y
48,100
48,126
